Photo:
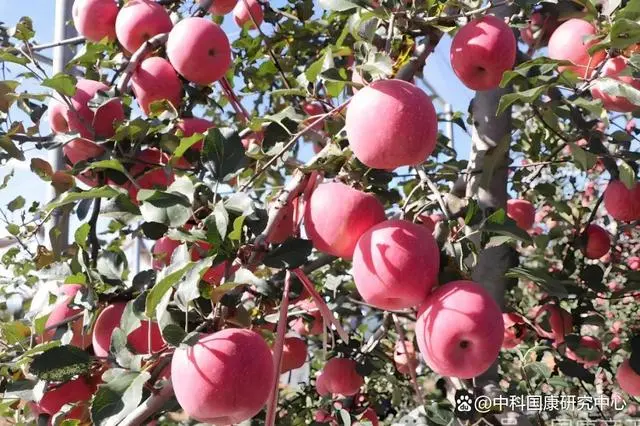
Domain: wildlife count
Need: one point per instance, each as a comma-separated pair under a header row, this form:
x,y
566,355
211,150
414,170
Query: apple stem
x,y
277,351
326,313
410,360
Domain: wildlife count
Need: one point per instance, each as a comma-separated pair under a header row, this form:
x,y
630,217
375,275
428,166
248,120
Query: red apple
x,y
460,330
628,379
95,19
622,204
339,376
304,327
162,251
199,50
523,212
598,242
407,134
285,228
62,311
313,109
571,42
335,227
539,30
156,80
612,69
588,352
225,378
294,354
482,51
149,172
515,330
71,392
553,322
634,263
405,361
214,274
396,264
246,12
222,7
140,20
138,339
80,149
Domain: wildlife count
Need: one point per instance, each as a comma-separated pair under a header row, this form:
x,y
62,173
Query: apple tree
x,y
387,278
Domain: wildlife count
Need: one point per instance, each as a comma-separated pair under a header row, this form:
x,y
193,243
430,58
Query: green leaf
x,y
525,97
7,144
7,56
71,197
16,204
81,236
186,143
336,5
173,334
116,399
540,277
163,199
627,175
112,164
613,87
223,154
537,369
290,254
165,284
62,83
60,363
624,32
23,30
508,228
14,332
236,232
583,159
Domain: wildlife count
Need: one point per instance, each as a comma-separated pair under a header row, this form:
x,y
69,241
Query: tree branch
x,y
148,46
149,407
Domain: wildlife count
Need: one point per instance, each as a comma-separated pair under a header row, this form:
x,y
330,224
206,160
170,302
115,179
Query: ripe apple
x,y
407,134
156,80
622,204
246,12
335,227
405,361
74,391
539,30
460,330
222,7
523,212
199,50
588,351
162,251
82,119
396,264
95,19
80,149
214,274
515,330
225,378
633,263
188,127
313,110
553,322
612,69
304,327
140,20
482,51
286,226
62,311
138,339
339,376
598,242
323,416
628,379
149,172
369,415
571,42
294,354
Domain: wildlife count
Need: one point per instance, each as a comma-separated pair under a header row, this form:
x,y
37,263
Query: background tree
x,y
334,268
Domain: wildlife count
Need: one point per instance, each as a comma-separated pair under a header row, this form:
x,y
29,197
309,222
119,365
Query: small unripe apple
x,y
553,322
405,361
628,379
396,264
482,51
571,42
588,352
62,311
225,378
335,227
138,339
598,242
622,204
199,50
339,376
612,69
304,327
140,20
522,212
407,134
73,391
294,354
95,19
246,12
460,330
515,330
156,80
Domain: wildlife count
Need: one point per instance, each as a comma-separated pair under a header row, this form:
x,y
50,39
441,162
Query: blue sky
x,y
438,73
